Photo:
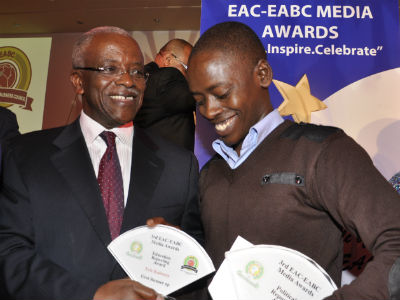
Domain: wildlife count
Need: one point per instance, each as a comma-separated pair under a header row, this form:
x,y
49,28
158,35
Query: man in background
x,y
168,107
277,182
69,191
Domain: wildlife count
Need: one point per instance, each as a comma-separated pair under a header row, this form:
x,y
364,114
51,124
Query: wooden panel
x,y
46,16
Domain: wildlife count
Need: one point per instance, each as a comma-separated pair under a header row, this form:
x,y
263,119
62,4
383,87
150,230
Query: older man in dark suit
x,y
58,212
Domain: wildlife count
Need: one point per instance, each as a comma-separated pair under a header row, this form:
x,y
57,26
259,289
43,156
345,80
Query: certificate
x,y
162,257
269,272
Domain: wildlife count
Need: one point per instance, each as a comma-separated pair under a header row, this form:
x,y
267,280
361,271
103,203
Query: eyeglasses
x,y
179,61
115,72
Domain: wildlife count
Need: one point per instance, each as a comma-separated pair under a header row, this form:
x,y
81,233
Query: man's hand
x,y
159,220
125,289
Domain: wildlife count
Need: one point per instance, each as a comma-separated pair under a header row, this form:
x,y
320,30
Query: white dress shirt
x,y
97,146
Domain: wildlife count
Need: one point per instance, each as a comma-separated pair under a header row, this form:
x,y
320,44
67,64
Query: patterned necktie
x,y
110,182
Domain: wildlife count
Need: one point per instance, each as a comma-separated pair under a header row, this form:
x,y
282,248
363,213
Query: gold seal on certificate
x,y
269,272
162,257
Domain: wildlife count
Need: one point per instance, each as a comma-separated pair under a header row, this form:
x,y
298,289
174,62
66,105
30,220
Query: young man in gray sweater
x,y
282,183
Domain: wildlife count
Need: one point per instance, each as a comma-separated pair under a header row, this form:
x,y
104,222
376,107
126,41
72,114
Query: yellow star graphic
x,y
298,100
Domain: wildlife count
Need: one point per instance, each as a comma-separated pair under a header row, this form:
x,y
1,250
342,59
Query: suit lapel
x,y
147,168
74,164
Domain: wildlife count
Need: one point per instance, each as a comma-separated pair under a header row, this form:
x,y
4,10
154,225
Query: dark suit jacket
x,y
53,228
8,124
168,106
8,129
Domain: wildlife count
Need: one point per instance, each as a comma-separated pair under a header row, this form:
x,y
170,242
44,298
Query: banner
x,y
23,76
341,56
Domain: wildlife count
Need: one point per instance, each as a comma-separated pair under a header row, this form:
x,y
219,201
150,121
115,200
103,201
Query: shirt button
x,y
266,179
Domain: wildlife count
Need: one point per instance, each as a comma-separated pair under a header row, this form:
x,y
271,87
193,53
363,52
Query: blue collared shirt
x,y
256,135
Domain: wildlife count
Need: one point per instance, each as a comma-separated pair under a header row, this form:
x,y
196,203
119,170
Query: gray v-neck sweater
x,y
301,186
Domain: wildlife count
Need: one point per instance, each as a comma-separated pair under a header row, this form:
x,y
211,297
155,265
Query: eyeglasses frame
x,y
180,61
101,70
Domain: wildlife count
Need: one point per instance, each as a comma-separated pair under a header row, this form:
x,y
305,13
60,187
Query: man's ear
x,y
76,81
167,60
264,73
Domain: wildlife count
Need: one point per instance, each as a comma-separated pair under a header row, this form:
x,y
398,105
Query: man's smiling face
x,y
112,100
228,94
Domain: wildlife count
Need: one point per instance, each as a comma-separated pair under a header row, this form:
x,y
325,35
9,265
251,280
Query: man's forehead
x,y
104,38
108,49
210,71
214,60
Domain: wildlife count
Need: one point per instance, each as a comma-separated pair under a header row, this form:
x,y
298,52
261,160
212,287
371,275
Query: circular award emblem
x,y
15,77
255,269
136,247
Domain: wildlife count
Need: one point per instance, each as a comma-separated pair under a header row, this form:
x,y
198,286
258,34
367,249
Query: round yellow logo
x,y
255,269
15,77
136,247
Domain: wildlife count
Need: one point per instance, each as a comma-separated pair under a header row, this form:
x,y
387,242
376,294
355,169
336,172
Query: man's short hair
x,y
233,38
176,46
84,40
175,43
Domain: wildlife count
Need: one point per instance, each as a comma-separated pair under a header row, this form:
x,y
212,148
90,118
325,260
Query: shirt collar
x,y
266,125
257,133
92,129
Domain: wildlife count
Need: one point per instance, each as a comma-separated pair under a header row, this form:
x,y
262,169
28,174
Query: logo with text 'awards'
x,y
135,249
191,264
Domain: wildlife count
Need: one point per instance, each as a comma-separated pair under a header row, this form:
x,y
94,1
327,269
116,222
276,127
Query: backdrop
x,y
23,75
340,54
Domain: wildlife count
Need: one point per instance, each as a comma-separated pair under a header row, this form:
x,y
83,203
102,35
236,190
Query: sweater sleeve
x,y
359,198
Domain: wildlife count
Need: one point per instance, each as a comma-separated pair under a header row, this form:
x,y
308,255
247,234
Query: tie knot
x,y
108,137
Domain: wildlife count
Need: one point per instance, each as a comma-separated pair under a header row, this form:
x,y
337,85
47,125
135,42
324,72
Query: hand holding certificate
x,y
162,257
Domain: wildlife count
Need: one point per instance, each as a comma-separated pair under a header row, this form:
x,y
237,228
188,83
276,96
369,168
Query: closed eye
x,y
199,103
223,94
199,99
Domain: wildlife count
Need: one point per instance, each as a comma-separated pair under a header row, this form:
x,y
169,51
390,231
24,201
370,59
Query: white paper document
x,y
222,286
162,257
269,272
